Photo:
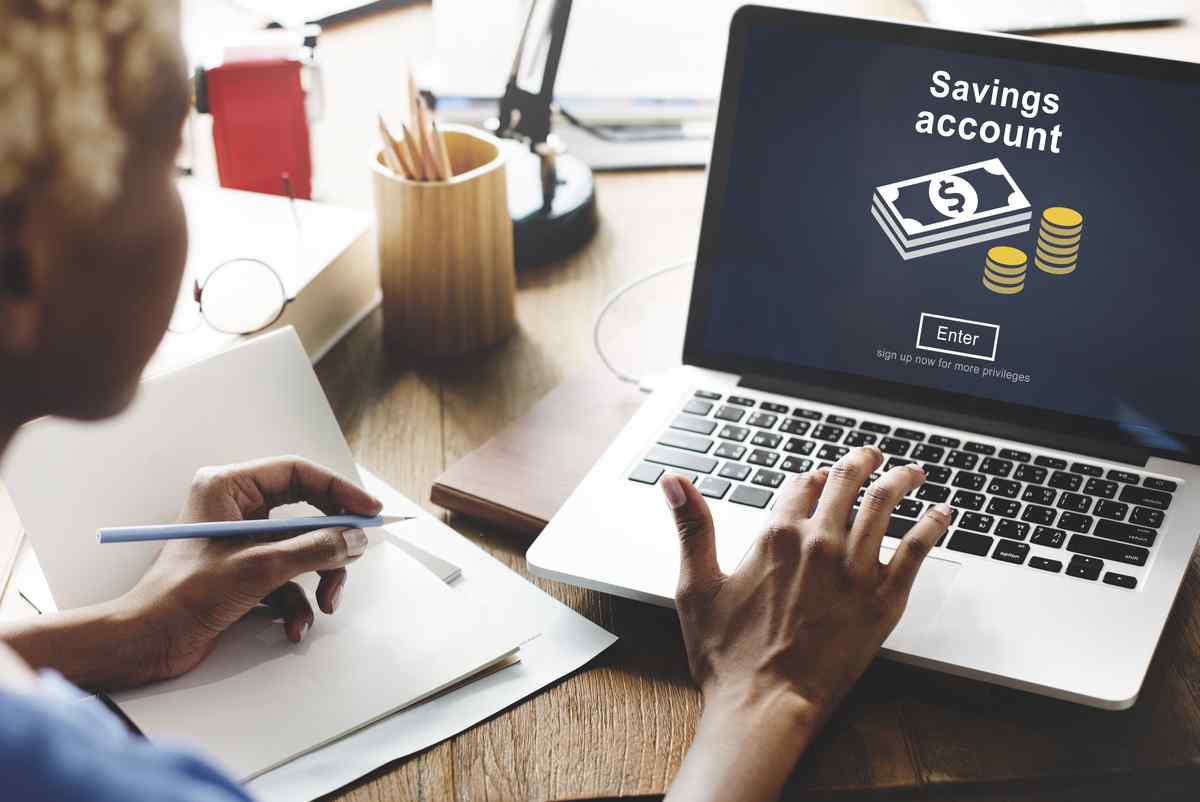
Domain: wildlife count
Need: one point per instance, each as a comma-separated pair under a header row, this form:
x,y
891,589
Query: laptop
x,y
977,253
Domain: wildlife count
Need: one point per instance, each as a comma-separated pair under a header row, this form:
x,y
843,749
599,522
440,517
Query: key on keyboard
x,y
731,414
1146,498
750,496
763,420
768,478
689,442
690,423
730,451
828,433
760,456
767,440
961,459
734,470
734,433
679,459
795,426
927,453
1010,551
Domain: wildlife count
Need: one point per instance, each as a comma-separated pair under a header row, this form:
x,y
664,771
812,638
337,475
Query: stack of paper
x,y
400,636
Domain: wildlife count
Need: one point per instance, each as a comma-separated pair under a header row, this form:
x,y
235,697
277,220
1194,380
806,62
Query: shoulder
x,y
58,746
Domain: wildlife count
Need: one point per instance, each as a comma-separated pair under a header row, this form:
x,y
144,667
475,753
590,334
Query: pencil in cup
x,y
446,249
420,152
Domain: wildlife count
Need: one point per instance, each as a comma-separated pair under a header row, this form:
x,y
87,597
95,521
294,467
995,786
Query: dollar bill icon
x,y
951,209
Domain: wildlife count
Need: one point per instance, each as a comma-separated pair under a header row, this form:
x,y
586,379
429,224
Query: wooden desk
x,y
621,727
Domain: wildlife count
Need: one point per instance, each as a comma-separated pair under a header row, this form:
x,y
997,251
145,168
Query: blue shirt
x,y
57,745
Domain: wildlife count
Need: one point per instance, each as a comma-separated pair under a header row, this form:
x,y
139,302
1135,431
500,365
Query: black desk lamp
x,y
552,196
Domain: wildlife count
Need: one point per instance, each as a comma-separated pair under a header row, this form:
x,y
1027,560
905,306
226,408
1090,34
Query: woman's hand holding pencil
x,y
420,154
197,588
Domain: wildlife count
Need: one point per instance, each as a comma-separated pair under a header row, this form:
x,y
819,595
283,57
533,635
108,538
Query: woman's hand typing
x,y
777,644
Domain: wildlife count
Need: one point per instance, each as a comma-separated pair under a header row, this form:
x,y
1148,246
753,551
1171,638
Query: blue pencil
x,y
256,528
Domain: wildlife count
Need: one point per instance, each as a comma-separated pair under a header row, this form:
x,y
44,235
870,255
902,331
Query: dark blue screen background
x,y
803,274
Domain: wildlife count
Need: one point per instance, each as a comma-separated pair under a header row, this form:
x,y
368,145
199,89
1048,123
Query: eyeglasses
x,y
240,296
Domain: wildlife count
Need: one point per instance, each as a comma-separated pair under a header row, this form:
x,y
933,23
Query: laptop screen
x,y
969,217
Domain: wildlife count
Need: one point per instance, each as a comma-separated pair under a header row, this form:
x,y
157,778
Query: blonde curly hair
x,y
74,76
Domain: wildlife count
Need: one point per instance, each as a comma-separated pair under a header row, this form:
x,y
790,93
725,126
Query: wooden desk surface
x,y
620,727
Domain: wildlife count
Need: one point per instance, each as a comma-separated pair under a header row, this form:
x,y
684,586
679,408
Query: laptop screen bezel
x,y
695,349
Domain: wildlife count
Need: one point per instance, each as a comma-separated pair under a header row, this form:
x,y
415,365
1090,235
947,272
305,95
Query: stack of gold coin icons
x,y
1004,270
1058,241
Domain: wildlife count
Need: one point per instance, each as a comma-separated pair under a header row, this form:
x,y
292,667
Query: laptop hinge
x,y
1062,441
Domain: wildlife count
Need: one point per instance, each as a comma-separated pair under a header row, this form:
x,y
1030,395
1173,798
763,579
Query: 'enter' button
x,y
954,335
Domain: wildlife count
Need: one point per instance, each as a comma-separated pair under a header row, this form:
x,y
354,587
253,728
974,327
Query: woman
x,y
92,247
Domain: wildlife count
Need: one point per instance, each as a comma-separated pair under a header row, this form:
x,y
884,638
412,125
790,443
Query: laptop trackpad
x,y
925,601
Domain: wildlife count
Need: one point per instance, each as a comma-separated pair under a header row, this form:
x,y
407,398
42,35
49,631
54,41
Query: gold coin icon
x,y
1000,270
1059,241
1007,281
1055,231
1054,250
1055,270
1002,290
1056,260
1062,217
1004,270
1007,256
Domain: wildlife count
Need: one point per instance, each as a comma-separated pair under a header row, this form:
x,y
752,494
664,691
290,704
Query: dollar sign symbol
x,y
947,192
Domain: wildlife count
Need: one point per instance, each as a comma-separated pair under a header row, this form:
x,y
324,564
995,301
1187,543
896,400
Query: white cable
x,y
612,299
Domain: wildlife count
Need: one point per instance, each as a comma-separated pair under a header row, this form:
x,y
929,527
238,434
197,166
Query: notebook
x,y
400,636
520,477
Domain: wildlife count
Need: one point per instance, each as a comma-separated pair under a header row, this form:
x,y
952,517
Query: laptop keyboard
x,y
1047,513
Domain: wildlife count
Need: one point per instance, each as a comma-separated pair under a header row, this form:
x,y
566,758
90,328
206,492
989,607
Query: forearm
x,y
102,647
745,747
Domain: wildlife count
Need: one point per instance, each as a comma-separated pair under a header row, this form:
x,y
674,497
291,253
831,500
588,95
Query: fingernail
x,y
673,489
875,451
337,597
944,509
356,541
918,468
304,629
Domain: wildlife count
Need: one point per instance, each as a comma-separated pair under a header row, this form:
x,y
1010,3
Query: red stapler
x,y
261,108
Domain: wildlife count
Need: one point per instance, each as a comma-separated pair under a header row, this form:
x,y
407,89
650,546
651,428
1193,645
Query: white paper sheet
x,y
568,641
258,700
399,636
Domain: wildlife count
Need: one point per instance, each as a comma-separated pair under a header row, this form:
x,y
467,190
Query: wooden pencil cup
x,y
446,251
